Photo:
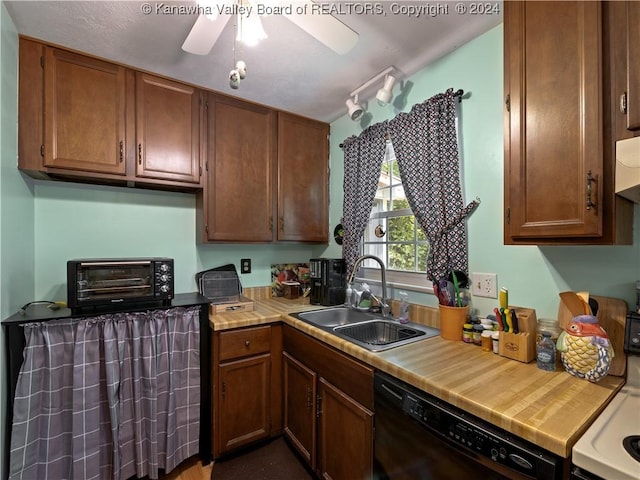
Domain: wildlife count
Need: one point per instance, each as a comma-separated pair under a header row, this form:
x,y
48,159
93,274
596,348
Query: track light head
x,y
385,94
354,110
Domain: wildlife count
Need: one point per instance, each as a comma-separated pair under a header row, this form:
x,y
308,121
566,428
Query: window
x,y
393,235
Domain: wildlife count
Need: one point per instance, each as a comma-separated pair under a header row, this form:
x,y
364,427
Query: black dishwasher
x,y
419,437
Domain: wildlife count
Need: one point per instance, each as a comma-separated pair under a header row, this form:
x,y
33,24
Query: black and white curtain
x,y
108,397
363,157
426,147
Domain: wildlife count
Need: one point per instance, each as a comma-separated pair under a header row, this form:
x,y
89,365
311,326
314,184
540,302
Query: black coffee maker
x,y
327,277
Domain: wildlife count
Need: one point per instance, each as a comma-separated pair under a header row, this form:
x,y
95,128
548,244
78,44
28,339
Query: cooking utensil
x,y
496,310
514,321
447,291
573,302
504,297
463,279
456,288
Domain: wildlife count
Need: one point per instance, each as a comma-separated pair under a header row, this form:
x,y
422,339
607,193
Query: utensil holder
x,y
520,346
451,321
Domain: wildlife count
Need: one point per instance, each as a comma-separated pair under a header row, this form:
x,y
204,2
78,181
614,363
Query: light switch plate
x,y
484,285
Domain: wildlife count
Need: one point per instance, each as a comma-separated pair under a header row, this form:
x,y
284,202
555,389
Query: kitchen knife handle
x,y
514,321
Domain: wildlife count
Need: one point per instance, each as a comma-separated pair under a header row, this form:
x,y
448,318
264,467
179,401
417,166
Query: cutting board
x,y
612,316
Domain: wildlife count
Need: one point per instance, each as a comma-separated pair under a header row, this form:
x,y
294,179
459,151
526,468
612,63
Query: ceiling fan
x,y
307,15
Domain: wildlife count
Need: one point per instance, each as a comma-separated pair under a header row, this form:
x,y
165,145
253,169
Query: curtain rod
x,y
458,93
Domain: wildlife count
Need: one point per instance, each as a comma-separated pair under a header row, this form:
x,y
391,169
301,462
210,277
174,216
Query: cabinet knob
x,y
139,154
247,343
121,151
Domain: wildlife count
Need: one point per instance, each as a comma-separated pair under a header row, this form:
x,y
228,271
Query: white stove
x,y
609,449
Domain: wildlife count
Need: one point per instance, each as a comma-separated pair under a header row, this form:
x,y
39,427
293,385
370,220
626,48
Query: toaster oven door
x,y
98,283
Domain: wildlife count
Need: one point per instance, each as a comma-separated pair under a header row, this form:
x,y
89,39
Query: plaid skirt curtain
x,y
108,397
363,157
426,146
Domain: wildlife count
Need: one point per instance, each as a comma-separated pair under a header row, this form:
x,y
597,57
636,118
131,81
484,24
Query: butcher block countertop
x,y
549,409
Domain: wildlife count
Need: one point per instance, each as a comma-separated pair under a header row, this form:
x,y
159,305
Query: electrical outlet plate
x,y
484,285
245,265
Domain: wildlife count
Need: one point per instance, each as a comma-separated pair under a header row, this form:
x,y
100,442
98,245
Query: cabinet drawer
x,y
244,342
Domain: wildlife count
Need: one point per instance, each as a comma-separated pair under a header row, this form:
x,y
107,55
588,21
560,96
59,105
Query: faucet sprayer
x,y
383,301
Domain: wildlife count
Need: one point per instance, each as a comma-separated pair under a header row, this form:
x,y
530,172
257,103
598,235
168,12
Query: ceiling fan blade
x,y
204,34
326,29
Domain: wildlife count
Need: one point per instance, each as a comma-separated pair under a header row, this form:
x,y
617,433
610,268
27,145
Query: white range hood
x,y
628,168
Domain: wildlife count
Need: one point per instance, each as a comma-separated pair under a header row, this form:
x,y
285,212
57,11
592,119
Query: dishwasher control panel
x,y
478,437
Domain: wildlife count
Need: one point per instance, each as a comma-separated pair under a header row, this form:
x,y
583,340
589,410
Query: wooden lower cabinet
x,y
346,435
246,382
328,405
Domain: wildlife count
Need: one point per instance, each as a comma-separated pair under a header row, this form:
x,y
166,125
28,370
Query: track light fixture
x,y
354,109
384,95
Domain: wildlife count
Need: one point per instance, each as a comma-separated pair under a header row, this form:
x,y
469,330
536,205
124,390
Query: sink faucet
x,y
382,301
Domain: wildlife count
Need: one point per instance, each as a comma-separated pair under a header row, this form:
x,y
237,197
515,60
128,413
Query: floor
x,y
271,461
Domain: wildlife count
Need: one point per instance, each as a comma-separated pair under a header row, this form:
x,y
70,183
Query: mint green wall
x,y
85,221
16,206
533,275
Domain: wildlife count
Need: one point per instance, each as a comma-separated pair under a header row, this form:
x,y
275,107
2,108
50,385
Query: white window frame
x,y
396,279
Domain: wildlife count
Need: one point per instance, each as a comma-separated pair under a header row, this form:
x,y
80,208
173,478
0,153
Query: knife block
x,y
520,346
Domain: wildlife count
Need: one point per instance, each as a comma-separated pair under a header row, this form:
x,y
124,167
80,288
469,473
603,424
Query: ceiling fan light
x,y
210,8
251,31
385,94
354,109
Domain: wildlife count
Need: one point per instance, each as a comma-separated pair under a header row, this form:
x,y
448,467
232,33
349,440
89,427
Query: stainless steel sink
x,y
334,316
368,330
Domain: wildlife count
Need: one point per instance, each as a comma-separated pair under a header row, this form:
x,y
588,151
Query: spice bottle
x,y
467,333
495,340
546,352
477,334
486,340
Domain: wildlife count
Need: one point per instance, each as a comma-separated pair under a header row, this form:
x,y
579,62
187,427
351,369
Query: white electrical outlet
x,y
484,285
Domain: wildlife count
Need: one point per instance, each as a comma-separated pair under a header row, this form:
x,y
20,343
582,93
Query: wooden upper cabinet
x,y
238,195
167,129
84,121
633,65
303,179
623,20
558,169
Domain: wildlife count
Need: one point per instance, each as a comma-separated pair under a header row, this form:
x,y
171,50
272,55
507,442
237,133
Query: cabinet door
x,y
238,195
633,65
303,199
243,396
554,121
300,407
167,130
346,436
84,120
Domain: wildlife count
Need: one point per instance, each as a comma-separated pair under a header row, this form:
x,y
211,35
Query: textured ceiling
x,y
289,70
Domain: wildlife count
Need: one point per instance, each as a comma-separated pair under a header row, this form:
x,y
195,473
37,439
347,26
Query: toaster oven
x,y
93,284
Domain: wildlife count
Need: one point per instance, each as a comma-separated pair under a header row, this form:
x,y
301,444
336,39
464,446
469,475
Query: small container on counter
x,y
547,325
467,333
546,353
495,341
486,340
477,334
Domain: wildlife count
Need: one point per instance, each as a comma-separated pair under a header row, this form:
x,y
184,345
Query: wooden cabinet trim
x,y
244,405
74,116
346,373
244,342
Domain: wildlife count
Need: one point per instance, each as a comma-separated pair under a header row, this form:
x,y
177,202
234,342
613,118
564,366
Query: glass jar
x,y
467,333
548,325
477,333
546,352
